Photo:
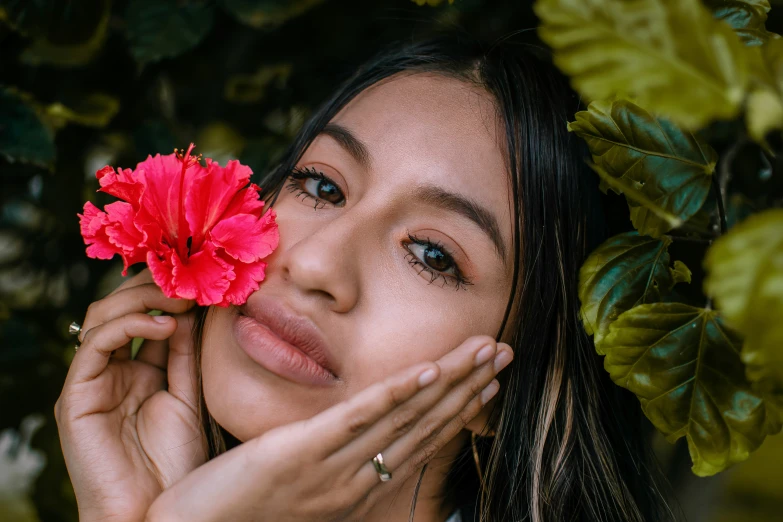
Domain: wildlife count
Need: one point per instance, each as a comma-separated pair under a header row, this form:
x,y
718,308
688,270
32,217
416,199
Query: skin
x,y
345,267
129,428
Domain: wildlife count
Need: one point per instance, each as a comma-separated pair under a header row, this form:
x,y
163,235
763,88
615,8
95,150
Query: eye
x,y
436,260
311,183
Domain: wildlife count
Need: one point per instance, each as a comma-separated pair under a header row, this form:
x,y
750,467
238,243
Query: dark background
x,y
238,91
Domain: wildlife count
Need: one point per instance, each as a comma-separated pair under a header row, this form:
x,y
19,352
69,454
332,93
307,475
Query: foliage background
x,y
113,83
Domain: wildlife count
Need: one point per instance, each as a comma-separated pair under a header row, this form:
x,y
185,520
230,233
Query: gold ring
x,y
383,473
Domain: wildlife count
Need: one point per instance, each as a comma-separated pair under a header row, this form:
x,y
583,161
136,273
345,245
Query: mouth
x,y
287,344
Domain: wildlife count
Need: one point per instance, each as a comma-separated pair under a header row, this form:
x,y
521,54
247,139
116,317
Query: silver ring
x,y
383,473
74,328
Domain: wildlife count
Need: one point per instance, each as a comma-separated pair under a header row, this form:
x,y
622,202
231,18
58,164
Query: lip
x,y
283,342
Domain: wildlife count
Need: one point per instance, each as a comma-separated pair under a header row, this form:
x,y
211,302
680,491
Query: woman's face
x,y
349,269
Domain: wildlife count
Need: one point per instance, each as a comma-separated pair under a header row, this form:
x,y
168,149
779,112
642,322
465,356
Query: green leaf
x,y
738,208
672,55
24,136
746,17
160,29
94,110
643,217
625,271
664,171
220,141
745,278
684,366
59,22
250,88
765,102
91,19
267,13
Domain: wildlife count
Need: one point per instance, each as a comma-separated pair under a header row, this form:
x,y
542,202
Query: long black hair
x,y
568,443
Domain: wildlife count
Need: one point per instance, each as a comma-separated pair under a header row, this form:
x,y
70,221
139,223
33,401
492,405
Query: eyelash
x,y
297,174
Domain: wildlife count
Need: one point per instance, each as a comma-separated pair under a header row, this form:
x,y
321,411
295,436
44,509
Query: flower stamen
x,y
183,232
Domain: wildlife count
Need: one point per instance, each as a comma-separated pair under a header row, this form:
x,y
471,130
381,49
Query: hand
x,y
320,468
129,428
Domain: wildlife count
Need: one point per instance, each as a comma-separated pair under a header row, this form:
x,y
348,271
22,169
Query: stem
x,y
724,168
719,186
721,209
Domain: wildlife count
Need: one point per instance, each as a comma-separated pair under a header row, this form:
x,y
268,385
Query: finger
x,y
140,298
345,421
94,353
417,447
348,420
421,419
422,454
154,352
182,374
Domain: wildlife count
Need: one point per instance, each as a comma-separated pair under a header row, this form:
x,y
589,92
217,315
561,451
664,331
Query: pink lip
x,y
284,343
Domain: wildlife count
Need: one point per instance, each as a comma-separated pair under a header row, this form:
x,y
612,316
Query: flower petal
x,y
205,277
93,227
124,184
247,281
160,201
210,193
162,269
123,233
246,201
247,238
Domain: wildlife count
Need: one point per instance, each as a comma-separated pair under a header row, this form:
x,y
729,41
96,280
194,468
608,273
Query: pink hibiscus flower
x,y
200,229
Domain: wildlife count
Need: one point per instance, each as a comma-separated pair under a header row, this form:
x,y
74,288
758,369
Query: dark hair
x,y
568,444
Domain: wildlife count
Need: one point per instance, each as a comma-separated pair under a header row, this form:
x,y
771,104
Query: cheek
x,y
403,334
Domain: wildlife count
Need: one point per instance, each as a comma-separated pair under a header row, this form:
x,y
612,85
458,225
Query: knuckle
x,y
62,410
475,388
467,415
428,429
337,504
93,312
395,397
424,455
403,420
357,423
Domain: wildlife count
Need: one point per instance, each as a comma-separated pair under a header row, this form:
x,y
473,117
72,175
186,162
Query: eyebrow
x,y
427,193
355,147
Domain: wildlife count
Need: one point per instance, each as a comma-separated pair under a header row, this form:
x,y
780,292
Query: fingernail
x,y
484,354
161,318
427,377
490,391
502,360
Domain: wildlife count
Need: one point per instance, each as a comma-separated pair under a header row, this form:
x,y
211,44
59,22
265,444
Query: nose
x,y
319,263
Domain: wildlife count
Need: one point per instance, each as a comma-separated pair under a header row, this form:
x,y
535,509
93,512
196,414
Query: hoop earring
x,y
478,467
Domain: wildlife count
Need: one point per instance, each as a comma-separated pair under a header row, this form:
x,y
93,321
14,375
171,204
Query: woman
x,y
440,162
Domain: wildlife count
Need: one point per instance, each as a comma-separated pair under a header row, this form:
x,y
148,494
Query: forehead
x,y
429,128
